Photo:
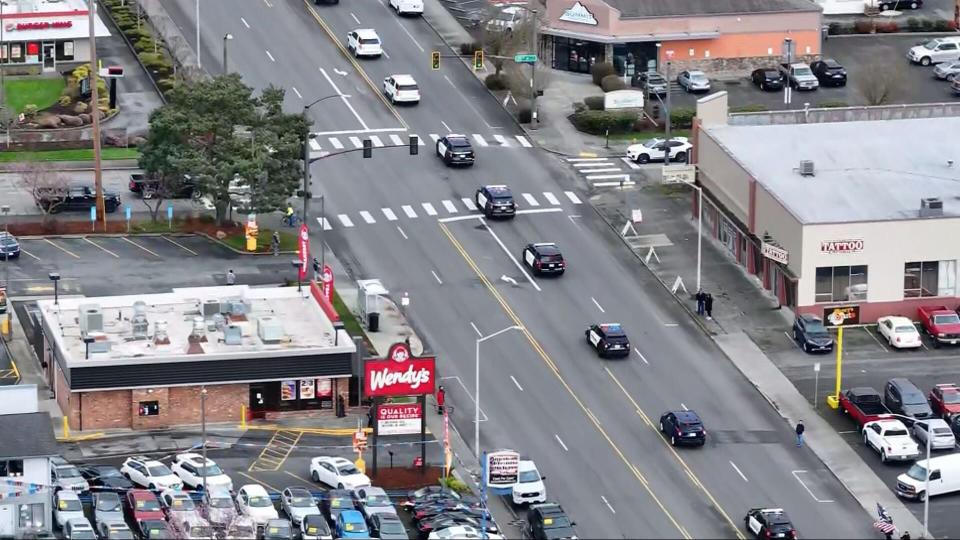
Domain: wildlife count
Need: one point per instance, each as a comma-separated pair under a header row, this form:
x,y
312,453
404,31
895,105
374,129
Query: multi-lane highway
x,y
590,424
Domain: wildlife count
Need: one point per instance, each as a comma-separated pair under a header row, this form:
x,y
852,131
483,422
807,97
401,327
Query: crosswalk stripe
x,y
523,141
419,139
376,141
408,210
449,206
593,164
530,200
551,198
389,214
469,203
324,223
356,142
573,197
429,209
336,143
591,171
367,217
500,139
315,146
624,177
586,159
396,139
345,219
435,137
479,139
630,163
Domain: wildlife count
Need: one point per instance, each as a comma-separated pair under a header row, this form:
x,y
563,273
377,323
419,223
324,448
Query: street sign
x,y
525,59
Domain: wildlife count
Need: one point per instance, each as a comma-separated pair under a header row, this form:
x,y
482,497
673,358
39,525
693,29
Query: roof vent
x,y
806,167
139,323
160,336
931,206
91,318
198,334
211,308
270,329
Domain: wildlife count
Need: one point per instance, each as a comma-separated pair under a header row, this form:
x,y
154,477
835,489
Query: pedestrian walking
x,y
275,243
231,277
701,301
906,535
708,305
441,399
370,417
800,429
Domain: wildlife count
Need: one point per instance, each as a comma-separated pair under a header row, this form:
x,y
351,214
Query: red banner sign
x,y
399,411
326,277
38,25
400,374
303,251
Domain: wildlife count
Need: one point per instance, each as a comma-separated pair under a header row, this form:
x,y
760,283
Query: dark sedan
x,y
106,476
829,72
683,427
9,246
811,335
767,79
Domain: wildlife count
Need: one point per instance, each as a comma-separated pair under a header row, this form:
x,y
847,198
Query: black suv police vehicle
x,y
544,258
608,339
496,201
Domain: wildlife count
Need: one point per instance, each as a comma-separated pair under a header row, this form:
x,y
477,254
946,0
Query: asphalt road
x,y
545,394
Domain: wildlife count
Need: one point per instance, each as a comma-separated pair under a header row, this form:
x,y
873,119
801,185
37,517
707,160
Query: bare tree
x,y
880,83
46,186
155,189
503,37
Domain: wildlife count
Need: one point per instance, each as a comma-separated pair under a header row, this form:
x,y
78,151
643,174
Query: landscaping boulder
x,y
85,118
138,141
49,121
70,120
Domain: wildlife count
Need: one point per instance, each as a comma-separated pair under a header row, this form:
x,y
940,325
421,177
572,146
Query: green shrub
x,y
601,70
29,109
754,107
941,25
166,85
81,107
926,25
612,82
468,48
579,106
913,24
146,44
682,117
594,103
834,104
836,29
138,33
598,122
454,484
65,101
496,82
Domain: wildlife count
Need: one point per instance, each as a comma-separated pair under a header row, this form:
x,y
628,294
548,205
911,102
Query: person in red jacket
x,y
441,398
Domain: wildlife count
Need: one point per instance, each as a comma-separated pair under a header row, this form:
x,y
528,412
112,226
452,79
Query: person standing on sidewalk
x,y
708,305
441,399
800,429
231,277
701,300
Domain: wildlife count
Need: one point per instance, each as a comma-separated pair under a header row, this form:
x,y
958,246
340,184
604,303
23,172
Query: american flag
x,y
884,526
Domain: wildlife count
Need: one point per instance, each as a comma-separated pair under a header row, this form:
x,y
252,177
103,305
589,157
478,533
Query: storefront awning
x,y
597,38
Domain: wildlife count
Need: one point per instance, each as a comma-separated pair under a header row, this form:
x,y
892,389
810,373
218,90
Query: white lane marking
x,y
446,126
510,255
335,142
355,18
592,164
267,2
345,219
449,206
469,203
376,141
436,277
523,141
796,475
531,200
345,100
408,210
604,499
419,139
325,223
848,432
459,218
590,171
500,139
684,407
403,234
479,139
429,209
244,21
409,35
640,354
396,140
388,213
384,51
734,465
297,92
598,305
516,383
357,143
625,183
435,137
551,198
559,440
367,217
483,415
625,177
671,324
315,146
349,131
583,159
539,210
270,56
573,197
449,81
572,220
475,329
630,163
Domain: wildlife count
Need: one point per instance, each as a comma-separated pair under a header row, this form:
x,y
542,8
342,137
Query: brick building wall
x,y
103,410
223,403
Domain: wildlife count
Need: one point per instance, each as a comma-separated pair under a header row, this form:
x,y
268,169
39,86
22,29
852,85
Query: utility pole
x,y
306,172
198,35
95,115
669,55
533,68
203,431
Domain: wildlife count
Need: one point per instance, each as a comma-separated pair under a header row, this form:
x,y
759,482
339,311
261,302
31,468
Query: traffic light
x,y
477,60
367,148
435,60
414,145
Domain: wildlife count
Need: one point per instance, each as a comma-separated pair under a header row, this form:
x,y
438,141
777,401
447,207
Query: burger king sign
x,y
400,374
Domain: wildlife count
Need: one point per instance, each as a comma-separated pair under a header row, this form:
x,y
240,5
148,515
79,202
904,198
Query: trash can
x,y
373,322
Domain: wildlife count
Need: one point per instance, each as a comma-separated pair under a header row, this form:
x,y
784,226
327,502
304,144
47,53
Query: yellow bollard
x,y
243,417
360,463
66,428
834,401
5,326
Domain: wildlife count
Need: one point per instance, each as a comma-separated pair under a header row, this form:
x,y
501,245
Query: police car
x,y
608,339
769,523
544,258
455,150
496,201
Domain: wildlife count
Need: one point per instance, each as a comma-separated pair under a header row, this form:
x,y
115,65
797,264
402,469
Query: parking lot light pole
x,y
203,431
926,482
476,393
5,210
55,278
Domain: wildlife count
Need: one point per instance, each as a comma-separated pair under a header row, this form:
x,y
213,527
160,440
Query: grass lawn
x,y
159,226
639,136
79,154
350,323
42,92
288,241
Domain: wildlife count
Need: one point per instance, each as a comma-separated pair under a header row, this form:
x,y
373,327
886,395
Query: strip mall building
x,y
45,35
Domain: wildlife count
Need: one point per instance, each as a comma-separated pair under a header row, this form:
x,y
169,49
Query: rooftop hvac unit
x,y
100,343
91,318
806,168
199,331
160,336
270,329
237,307
139,323
931,206
216,323
233,334
210,308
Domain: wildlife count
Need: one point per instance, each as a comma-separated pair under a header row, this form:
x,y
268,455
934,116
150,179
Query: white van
x,y
941,49
944,478
403,7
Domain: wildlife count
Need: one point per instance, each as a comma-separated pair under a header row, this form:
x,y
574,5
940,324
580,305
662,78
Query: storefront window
x,y
841,283
12,467
64,50
929,278
31,516
576,55
17,53
149,408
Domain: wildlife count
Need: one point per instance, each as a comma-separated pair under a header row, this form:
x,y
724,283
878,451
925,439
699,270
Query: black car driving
x,y
811,335
544,258
548,521
767,78
608,339
829,72
455,150
769,523
496,201
683,427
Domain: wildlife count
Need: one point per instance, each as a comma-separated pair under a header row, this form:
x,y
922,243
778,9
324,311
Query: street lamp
x,y
296,264
5,210
476,393
198,34
699,225
226,38
55,278
203,432
307,160
926,483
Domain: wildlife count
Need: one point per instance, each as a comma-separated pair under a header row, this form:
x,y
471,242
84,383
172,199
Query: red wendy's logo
x,y
399,374
39,25
399,352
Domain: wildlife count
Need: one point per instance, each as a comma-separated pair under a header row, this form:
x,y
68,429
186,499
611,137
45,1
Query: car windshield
x,y
7,241
931,45
121,534
656,78
300,500
697,77
369,41
316,525
348,469
108,472
816,328
279,529
914,398
905,330
158,470
771,74
147,505
379,501
182,504
917,472
221,502
341,502
108,505
946,319
70,505
212,470
801,71
529,476
68,471
896,433
83,535
555,522
458,141
259,501
650,143
391,527
951,397
407,87
355,527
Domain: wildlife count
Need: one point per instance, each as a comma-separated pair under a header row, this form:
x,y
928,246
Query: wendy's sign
x,y
400,374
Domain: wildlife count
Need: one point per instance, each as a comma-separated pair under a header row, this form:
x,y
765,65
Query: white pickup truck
x,y
891,439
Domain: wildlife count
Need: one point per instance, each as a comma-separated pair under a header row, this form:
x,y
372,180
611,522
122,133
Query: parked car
x,y
75,198
106,476
78,528
337,472
298,503
529,488
799,76
935,50
829,72
150,473
653,83
242,527
946,71
683,427
254,502
158,529
9,246
941,323
863,405
944,477
176,502
767,78
903,397
900,5
955,87
315,527
350,524
278,529
107,506
64,475
811,335
218,507
142,506
945,400
943,438
149,187
387,527
548,521
191,525
657,149
372,500
114,530
334,502
890,438
189,466
693,81
458,532
66,506
899,332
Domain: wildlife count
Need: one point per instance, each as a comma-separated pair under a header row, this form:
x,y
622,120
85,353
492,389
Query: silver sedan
x,y
298,503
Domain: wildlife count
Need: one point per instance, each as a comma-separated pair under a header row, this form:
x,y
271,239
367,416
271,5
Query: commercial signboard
x,y
841,246
678,174
399,419
841,315
623,99
400,374
502,468
326,277
774,253
578,13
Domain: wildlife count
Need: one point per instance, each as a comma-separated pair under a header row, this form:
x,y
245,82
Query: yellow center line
x,y
258,481
101,247
546,358
65,250
693,477
13,366
129,241
178,244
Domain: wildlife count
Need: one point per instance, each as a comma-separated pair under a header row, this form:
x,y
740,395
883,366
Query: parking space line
x,y
101,247
258,481
65,250
298,477
874,338
28,253
179,245
129,241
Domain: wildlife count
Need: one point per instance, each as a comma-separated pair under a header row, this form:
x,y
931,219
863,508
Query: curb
x,y
81,166
917,34
239,251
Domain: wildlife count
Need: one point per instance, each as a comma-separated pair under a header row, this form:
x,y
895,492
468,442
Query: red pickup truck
x,y
863,405
942,323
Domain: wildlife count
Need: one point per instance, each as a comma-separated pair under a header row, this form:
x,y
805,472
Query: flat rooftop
x,y
11,7
864,170
213,322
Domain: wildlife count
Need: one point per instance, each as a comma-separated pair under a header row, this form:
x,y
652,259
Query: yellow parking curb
x,y
343,432
78,438
588,154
